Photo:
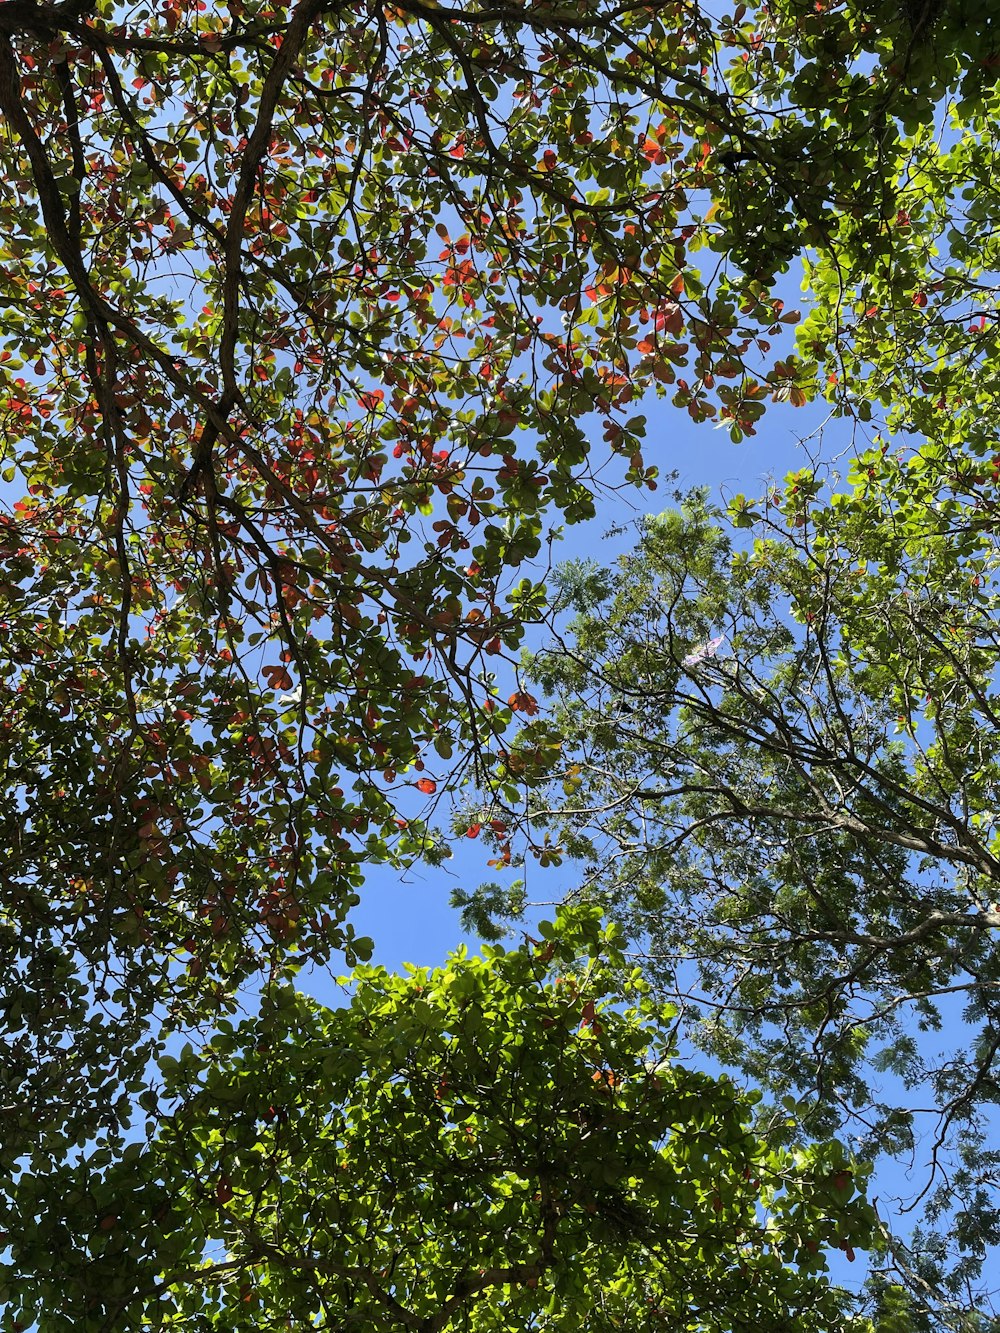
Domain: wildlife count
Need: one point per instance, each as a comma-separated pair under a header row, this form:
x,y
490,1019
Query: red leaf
x,y
522,702
427,785
670,317
473,830
278,678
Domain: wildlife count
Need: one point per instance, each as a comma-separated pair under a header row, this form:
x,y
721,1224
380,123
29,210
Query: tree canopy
x,y
313,316
777,767
501,1143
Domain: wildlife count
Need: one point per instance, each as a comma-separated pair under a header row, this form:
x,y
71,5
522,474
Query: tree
x,y
286,398
307,311
310,314
776,765
505,1142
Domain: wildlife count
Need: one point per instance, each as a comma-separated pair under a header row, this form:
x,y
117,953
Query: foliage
x,y
779,768
501,1143
310,315
287,395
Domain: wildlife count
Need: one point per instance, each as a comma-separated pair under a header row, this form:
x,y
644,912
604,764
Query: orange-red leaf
x,y
278,678
521,702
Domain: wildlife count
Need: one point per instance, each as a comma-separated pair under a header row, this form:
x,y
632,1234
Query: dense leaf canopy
x,y
503,1143
312,316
